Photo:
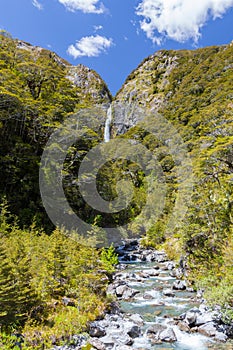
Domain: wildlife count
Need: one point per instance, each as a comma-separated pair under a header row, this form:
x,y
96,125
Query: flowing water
x,y
107,128
147,310
161,309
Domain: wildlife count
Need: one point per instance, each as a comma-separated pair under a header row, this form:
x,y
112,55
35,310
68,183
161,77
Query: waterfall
x,y
108,124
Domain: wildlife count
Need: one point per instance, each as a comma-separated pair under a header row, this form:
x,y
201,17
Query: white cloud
x,y
86,6
90,46
37,4
179,20
96,28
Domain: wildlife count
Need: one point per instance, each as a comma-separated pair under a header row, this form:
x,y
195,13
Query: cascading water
x,y
107,128
154,312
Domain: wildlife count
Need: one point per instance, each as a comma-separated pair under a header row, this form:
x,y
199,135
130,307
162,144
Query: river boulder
x,y
95,330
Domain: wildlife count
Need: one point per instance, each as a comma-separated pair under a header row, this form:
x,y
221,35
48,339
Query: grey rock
x,y
203,308
190,318
200,293
123,339
108,342
181,317
151,257
195,310
161,258
183,326
121,266
168,335
121,289
172,273
96,330
143,275
220,337
79,340
179,273
179,285
136,318
155,330
168,293
97,344
208,329
170,265
147,296
134,331
129,293
203,318
153,272
142,257
156,267
229,330
111,290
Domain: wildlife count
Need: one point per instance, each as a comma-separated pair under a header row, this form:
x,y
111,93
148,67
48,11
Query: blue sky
x,y
114,36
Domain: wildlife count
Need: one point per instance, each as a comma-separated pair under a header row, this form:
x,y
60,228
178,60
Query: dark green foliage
x,y
36,270
49,285
35,98
198,95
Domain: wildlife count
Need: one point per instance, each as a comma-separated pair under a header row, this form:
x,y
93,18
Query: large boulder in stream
x,y
121,289
168,335
152,273
97,344
190,318
179,285
159,332
95,330
155,330
220,337
203,318
168,292
137,319
134,331
209,329
129,293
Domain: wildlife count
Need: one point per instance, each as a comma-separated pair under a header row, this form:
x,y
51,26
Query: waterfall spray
x,y
107,127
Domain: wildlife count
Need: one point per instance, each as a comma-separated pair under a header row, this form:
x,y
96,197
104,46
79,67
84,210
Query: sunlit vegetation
x,y
51,286
36,97
196,92
52,282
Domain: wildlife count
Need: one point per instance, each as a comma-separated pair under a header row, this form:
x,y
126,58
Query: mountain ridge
x,y
191,89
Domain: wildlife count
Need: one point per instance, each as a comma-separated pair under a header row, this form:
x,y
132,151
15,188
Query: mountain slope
x,y
38,91
180,83
193,91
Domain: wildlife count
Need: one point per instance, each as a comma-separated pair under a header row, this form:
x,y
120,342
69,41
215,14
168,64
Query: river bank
x,y
155,308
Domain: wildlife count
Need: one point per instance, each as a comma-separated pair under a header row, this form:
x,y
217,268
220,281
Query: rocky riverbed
x,y
155,309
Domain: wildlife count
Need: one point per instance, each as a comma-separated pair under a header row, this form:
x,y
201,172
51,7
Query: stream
x,y
155,308
161,309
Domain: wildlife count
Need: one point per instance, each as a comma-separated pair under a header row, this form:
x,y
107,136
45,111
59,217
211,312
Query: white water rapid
x,y
107,127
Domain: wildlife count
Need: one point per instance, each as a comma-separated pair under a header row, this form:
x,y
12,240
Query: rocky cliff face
x,y
172,81
91,85
89,82
144,88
